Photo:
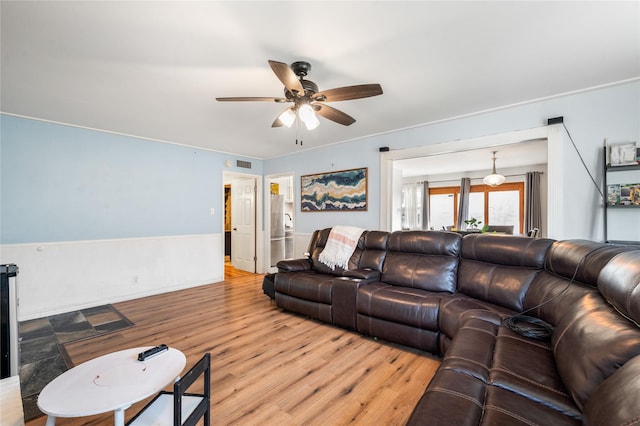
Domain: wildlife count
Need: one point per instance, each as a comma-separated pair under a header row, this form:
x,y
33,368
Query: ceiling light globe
x,y
308,116
287,117
494,179
306,112
312,123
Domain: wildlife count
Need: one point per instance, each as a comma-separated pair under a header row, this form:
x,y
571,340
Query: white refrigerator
x,y
277,229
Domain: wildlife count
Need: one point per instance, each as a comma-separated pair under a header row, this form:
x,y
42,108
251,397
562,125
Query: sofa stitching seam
x,y
454,393
521,339
526,379
509,413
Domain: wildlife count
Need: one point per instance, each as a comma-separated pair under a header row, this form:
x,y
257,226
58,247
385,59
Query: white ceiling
x,y
153,69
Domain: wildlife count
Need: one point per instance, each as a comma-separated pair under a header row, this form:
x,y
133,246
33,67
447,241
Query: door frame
x,y
391,177
227,177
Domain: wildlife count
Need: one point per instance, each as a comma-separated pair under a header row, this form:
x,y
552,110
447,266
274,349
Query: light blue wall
x,y
591,116
62,183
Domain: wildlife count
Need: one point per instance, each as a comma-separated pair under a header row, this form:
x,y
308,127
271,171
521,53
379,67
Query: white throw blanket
x,y
341,243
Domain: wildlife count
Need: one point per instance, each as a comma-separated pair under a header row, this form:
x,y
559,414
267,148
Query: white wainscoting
x,y
65,276
300,244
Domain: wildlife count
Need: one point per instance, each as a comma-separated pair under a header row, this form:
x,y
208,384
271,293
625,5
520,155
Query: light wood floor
x,y
269,367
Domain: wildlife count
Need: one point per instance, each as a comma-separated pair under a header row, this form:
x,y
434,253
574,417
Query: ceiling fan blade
x,y
243,99
333,114
349,92
287,77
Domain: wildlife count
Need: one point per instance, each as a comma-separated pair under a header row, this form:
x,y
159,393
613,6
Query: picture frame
x,y
339,191
622,154
613,194
630,194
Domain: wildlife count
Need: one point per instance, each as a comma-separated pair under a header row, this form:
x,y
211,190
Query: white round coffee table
x,y
111,382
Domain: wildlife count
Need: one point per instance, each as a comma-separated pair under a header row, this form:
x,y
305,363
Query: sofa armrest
x,y
345,292
294,265
363,274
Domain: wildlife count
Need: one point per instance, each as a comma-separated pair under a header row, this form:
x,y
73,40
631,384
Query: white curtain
x,y
413,206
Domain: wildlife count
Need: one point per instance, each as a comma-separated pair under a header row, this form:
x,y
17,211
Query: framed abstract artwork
x,y
344,190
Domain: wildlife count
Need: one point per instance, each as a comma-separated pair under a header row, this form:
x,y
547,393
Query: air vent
x,y
243,164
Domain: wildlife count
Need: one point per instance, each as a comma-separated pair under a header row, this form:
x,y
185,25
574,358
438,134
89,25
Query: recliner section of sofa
x,y
313,289
403,305
450,296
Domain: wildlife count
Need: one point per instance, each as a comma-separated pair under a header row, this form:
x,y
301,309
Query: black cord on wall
x,y
560,120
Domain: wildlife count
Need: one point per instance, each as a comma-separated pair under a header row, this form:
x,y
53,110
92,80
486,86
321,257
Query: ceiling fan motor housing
x,y
301,68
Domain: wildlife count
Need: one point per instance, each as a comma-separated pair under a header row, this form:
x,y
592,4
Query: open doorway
x,y
240,222
552,136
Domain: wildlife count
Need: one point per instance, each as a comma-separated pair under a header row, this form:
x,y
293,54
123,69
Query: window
x,y
502,205
443,207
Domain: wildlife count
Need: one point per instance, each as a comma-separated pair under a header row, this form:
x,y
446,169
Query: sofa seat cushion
x,y
455,308
305,285
509,361
452,398
404,305
503,407
527,367
490,375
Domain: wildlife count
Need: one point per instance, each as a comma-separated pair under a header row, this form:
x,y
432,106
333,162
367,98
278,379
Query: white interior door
x,y
243,224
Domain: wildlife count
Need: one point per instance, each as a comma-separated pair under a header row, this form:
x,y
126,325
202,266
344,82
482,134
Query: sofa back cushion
x,y
572,269
426,260
375,250
320,243
619,283
499,268
590,342
549,295
581,260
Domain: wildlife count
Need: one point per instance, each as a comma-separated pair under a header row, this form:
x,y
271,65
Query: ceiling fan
x,y
307,100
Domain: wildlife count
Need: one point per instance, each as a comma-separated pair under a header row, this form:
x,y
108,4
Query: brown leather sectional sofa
x,y
450,296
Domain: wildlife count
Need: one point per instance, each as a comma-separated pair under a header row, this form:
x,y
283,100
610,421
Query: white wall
x,y
59,277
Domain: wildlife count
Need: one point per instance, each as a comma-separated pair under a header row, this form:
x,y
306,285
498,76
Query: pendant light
x,y
494,179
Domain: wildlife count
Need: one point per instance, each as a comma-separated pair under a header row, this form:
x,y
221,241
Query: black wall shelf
x,y
606,206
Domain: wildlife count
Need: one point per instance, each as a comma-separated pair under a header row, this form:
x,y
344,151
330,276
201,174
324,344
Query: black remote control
x,y
152,352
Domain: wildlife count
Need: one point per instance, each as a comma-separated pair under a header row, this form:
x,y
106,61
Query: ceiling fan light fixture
x,y
494,179
287,117
304,94
308,116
